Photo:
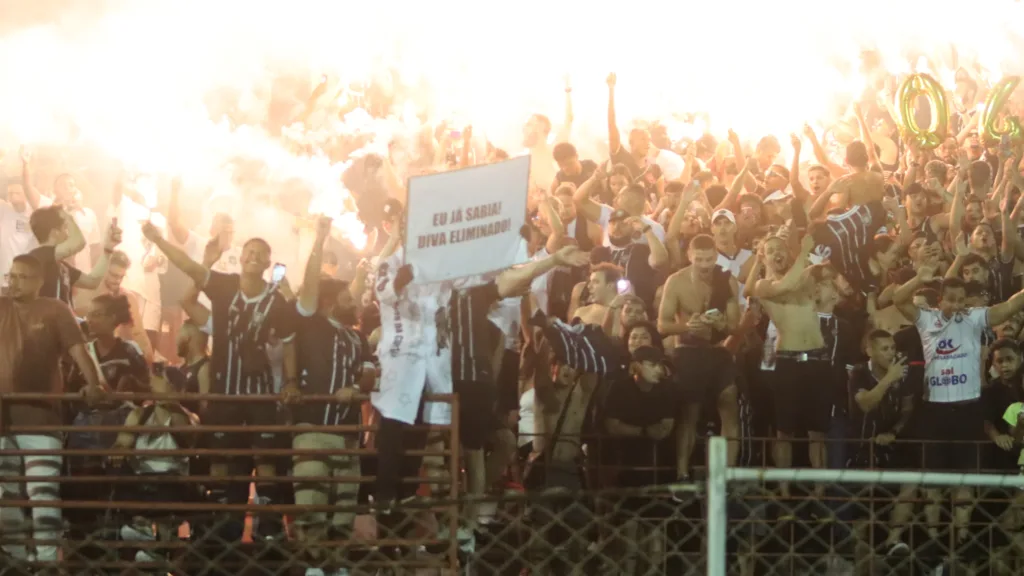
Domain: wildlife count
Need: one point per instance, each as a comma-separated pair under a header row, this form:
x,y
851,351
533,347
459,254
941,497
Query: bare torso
x,y
591,313
796,320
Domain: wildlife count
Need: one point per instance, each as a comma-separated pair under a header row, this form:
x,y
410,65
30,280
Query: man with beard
x,y
700,306
334,358
920,217
803,365
639,261
37,333
116,270
981,261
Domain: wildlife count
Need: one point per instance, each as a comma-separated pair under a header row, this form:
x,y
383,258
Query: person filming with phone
x,y
700,306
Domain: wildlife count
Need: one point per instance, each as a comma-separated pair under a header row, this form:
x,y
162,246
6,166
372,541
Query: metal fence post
x,y
718,449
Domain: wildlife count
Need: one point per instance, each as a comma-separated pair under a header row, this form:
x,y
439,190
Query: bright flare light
x,y
138,81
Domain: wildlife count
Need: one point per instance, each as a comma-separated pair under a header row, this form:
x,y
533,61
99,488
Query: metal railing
x,y
734,523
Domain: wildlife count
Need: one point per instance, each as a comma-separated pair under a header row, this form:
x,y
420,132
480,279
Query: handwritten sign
x,y
466,222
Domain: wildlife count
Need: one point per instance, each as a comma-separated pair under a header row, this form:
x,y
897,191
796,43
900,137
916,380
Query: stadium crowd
x,y
862,313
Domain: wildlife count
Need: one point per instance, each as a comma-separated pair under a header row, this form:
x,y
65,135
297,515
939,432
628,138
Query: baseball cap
x,y
618,214
724,213
648,354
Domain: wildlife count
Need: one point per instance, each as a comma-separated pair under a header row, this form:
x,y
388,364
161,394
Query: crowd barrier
x,y
730,521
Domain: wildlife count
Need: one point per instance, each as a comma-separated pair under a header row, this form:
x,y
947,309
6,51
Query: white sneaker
x,y
139,533
314,572
144,556
466,539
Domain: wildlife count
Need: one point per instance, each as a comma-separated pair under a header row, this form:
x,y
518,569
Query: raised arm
x,y
309,293
197,272
1004,311
658,258
199,314
174,221
799,192
586,207
547,209
74,243
515,280
768,289
565,131
865,135
92,280
737,185
820,155
903,297
614,138
31,194
138,329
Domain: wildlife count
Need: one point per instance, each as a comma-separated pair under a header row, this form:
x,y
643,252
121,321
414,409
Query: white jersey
x,y
409,321
505,315
952,353
148,464
768,356
734,266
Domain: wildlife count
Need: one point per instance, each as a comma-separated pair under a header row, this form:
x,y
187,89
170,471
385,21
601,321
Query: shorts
x,y
508,382
702,373
244,413
952,431
403,380
477,417
803,391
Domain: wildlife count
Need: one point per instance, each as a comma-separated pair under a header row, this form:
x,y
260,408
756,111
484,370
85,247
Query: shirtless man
x,y
700,305
535,139
803,399
603,288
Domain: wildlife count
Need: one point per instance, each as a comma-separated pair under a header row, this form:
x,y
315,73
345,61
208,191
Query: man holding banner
x,y
435,294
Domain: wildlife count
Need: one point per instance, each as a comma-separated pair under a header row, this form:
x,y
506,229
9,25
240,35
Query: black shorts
x,y
702,372
508,382
952,432
803,391
244,413
477,417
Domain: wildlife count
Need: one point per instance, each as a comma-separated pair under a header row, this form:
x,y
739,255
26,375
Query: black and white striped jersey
x,y
242,328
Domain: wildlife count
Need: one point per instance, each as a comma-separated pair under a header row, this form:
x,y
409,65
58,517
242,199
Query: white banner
x,y
466,222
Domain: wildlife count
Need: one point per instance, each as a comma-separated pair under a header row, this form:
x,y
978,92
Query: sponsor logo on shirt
x,y
946,348
947,378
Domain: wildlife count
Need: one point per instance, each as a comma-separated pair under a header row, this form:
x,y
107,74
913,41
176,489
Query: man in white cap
x,y
731,258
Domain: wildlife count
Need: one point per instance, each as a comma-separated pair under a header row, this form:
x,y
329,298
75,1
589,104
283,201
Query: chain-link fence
x,y
839,522
115,518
